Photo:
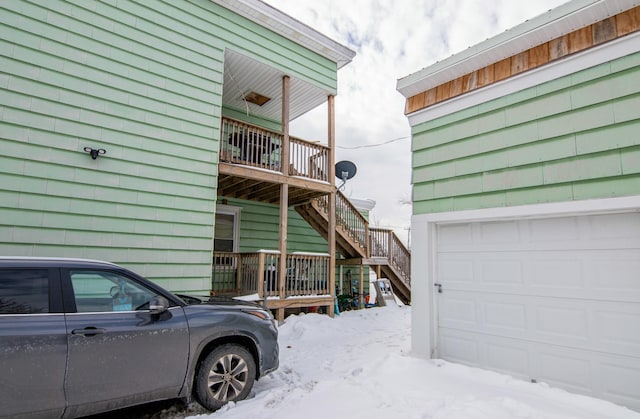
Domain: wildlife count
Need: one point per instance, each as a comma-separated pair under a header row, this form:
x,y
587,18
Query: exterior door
x,y
117,349
555,300
33,345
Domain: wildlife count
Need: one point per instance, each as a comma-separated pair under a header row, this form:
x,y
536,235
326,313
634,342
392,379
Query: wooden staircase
x,y
378,248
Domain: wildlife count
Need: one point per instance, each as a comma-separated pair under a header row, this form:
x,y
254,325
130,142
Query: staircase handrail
x,y
385,243
349,218
377,242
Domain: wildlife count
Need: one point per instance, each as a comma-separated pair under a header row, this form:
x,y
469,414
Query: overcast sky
x,y
392,39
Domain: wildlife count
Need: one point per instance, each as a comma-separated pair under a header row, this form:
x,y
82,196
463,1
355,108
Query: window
x,y
104,291
226,232
24,291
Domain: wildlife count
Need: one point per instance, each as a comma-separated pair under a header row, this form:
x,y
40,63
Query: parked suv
x,y
79,337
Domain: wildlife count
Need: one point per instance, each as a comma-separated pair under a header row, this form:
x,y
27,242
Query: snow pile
x,y
358,365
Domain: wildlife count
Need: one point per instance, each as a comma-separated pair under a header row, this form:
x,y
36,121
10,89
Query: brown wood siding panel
x,y
520,63
485,76
469,82
579,40
430,97
539,55
417,101
502,69
442,91
628,22
604,31
558,47
456,87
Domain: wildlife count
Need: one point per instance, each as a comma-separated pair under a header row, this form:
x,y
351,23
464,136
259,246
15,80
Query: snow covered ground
x,y
358,365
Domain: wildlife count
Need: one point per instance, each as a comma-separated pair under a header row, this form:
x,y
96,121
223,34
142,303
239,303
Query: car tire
x,y
226,374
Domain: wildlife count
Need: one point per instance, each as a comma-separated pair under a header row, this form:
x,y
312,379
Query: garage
x,y
552,299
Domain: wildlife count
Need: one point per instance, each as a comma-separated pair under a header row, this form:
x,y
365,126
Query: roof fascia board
x,y
589,58
543,28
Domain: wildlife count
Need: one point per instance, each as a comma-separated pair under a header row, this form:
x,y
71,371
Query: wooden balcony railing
x,y
385,244
257,273
240,273
254,146
309,160
307,274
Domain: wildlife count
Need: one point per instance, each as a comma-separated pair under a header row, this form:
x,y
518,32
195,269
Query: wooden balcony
x,y
251,165
246,274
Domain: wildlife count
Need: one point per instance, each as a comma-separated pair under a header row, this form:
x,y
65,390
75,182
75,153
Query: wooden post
x,y
367,235
284,196
286,92
238,273
331,236
361,290
261,277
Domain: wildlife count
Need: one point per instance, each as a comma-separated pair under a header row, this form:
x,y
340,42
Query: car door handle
x,y
88,331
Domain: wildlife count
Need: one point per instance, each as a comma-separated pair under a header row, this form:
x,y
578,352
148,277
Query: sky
x,y
392,39
358,365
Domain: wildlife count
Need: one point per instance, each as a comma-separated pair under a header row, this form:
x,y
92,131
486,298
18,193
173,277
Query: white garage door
x,y
555,300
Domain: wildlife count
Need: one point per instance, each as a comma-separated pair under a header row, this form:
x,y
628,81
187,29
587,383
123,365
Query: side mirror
x,y
158,305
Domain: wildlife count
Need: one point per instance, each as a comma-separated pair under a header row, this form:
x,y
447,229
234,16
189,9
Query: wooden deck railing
x,y
254,146
257,273
307,274
308,160
250,145
241,273
385,244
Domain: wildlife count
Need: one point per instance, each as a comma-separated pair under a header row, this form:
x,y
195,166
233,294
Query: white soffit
x,y
243,74
283,24
556,22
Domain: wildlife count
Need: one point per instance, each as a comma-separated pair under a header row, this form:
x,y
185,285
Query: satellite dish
x,y
345,170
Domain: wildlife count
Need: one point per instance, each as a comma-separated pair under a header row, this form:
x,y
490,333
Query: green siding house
x,y
150,83
526,200
155,134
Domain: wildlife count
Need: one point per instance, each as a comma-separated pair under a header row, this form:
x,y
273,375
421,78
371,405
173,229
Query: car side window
x,y
104,291
24,291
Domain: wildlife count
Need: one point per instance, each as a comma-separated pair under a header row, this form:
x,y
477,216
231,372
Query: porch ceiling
x,y
258,185
243,75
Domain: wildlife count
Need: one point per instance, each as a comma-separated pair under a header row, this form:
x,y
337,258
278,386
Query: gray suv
x,y
79,337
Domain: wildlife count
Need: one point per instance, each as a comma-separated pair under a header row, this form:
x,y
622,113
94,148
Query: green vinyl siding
x,y
259,225
568,139
142,80
241,115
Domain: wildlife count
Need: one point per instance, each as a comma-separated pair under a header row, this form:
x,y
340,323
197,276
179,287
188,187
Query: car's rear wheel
x,y
226,374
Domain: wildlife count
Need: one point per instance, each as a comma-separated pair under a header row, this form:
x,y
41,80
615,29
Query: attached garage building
x,y
526,227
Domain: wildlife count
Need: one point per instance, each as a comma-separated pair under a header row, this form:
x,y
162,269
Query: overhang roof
x,y
283,24
243,74
543,28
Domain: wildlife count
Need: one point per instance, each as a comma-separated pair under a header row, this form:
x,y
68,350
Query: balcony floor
x,y
257,184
